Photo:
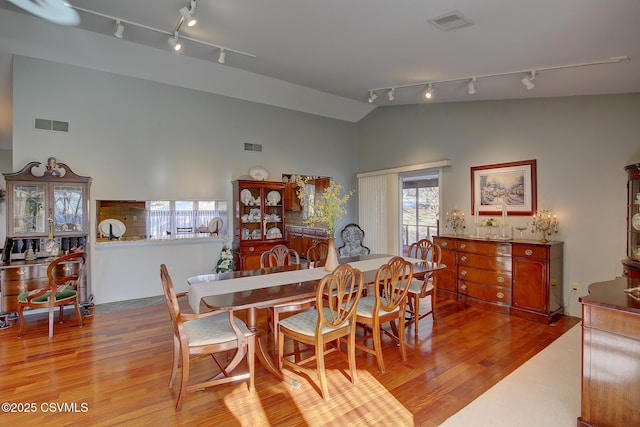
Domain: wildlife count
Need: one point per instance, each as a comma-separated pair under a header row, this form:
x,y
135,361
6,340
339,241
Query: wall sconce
x,y
544,223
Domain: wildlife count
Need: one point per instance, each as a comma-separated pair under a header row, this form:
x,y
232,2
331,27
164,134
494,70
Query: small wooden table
x,y
610,355
215,291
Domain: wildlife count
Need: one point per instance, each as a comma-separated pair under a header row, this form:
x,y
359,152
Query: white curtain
x,y
378,210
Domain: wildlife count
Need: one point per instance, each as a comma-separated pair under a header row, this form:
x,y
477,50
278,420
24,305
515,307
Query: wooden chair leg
x,y
351,351
184,379
416,312
377,345
251,361
322,375
50,321
403,348
21,316
176,360
61,315
78,312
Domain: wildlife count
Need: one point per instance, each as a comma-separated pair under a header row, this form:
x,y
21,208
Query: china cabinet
x,y
518,277
259,220
47,215
631,264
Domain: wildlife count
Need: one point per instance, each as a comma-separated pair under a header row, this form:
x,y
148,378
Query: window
x,y
420,207
183,216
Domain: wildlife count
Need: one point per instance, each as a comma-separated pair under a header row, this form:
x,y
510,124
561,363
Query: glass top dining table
x,y
268,287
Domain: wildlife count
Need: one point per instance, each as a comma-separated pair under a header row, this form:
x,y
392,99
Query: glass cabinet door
x,y
67,207
28,209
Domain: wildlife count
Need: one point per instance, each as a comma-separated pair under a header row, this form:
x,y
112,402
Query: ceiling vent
x,y
51,125
451,21
252,147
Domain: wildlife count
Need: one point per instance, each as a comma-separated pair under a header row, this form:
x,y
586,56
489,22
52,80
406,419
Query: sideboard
x,y
518,277
610,355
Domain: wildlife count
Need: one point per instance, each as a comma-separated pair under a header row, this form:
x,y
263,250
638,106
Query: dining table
x,y
267,287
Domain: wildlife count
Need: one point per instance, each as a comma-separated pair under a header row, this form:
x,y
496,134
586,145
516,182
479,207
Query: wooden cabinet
x,y
259,220
518,277
631,264
292,202
22,276
610,355
302,238
47,213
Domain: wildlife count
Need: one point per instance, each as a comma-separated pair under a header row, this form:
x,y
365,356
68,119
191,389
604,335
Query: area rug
x,y
545,391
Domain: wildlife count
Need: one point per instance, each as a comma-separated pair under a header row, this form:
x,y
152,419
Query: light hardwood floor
x,y
115,370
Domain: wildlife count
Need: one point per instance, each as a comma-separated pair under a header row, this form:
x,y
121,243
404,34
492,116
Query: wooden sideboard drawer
x,y
445,243
486,248
496,278
530,251
483,292
487,262
25,272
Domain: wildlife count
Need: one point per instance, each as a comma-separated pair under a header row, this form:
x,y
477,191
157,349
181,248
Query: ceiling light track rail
x,y
530,74
166,32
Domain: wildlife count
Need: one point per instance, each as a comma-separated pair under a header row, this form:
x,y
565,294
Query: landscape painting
x,y
504,186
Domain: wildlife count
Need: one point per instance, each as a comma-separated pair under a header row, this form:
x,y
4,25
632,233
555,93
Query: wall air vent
x,y
451,21
51,125
252,147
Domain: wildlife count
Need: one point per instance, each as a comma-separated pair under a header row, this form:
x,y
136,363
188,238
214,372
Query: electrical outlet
x,y
575,286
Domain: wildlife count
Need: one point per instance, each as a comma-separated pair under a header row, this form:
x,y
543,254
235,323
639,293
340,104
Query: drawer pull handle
x,y
463,258
463,273
463,287
500,295
20,272
500,251
500,263
251,249
500,279
462,246
528,252
443,244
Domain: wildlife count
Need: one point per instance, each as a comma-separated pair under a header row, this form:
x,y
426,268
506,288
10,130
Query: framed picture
x,y
504,186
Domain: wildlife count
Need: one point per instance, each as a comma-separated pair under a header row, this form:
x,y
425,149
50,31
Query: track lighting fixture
x,y
174,42
221,56
372,96
187,14
390,94
119,29
429,92
472,86
527,81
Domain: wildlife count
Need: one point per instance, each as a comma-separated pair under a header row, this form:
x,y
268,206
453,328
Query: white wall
x,y
581,145
142,140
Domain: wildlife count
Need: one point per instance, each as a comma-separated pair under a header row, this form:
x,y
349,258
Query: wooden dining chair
x,y
207,334
386,302
62,289
421,288
278,256
333,319
317,255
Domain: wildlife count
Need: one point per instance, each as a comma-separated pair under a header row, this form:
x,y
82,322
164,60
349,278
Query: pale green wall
x,y
581,145
142,140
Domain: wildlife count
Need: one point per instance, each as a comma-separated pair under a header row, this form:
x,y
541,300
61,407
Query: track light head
x,y
221,56
527,81
119,29
391,94
429,92
472,86
187,15
372,96
174,42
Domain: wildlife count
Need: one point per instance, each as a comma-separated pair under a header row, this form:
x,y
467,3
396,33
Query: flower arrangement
x,y
225,262
326,210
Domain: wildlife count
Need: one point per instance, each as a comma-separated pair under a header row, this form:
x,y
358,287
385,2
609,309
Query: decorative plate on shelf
x,y
273,197
246,197
215,225
256,234
635,221
258,173
113,226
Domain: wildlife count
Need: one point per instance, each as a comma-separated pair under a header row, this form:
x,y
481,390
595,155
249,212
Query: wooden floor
x,y
115,370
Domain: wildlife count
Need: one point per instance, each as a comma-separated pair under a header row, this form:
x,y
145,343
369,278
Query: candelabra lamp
x,y
455,221
544,223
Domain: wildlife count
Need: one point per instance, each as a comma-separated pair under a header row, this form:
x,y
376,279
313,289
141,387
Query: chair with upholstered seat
x,y
207,334
387,304
317,255
352,236
421,288
332,320
278,256
61,290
